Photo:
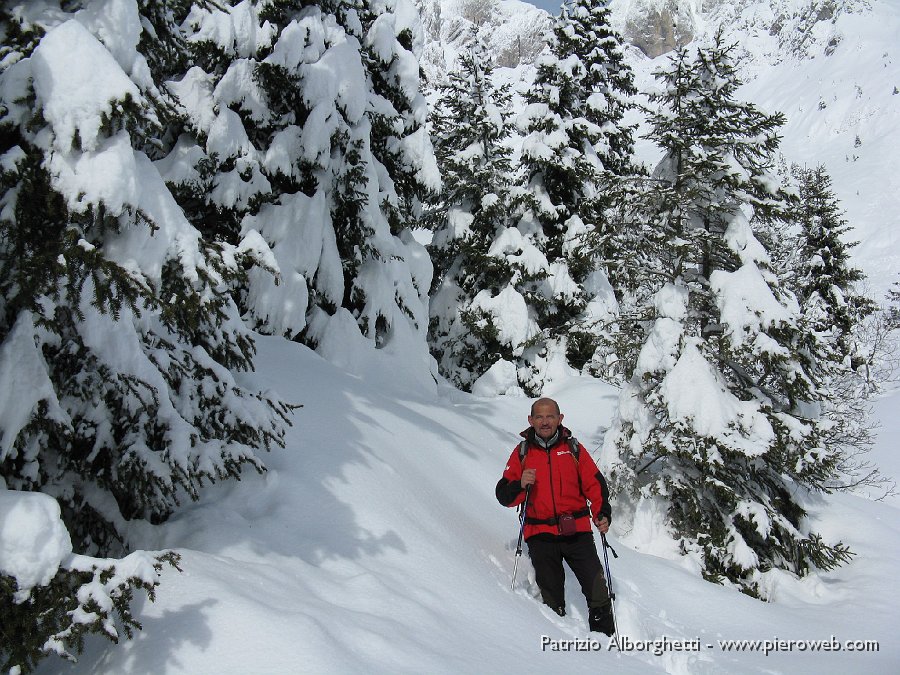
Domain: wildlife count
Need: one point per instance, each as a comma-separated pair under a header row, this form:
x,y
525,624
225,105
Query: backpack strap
x,y
574,447
523,450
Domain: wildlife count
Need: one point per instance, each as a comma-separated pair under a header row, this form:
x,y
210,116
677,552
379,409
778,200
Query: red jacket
x,y
563,485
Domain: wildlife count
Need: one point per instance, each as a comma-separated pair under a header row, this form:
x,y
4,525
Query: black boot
x,y
600,619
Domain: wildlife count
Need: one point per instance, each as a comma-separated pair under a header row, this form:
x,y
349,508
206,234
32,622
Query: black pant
x,y
547,553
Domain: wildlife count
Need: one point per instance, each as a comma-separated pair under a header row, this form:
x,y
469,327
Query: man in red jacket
x,y
568,494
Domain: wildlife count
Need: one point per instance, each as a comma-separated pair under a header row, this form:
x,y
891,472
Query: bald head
x,y
545,402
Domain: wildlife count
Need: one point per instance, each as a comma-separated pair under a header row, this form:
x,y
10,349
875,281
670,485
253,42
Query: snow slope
x,y
374,543
843,111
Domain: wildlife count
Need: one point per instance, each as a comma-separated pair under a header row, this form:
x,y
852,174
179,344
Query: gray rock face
x,y
514,31
659,26
659,31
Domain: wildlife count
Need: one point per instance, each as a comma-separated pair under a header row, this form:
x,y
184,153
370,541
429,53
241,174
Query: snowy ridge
x,y
843,111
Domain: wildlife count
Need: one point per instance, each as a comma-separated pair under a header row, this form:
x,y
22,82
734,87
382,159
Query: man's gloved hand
x,y
602,524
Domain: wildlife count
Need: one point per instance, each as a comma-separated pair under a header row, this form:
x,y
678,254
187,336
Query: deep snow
x,y
374,543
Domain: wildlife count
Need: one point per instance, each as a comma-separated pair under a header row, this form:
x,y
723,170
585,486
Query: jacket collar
x,y
562,434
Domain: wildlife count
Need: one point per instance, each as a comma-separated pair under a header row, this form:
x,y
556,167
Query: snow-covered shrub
x,y
51,598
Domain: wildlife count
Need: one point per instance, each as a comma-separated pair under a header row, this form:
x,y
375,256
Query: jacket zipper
x,y
552,489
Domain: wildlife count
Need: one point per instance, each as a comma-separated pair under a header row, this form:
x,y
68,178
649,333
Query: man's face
x,y
545,419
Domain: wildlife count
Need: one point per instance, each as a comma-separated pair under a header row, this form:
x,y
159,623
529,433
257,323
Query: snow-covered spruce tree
x,y
719,422
607,82
311,133
833,312
470,328
640,246
396,108
610,83
575,147
397,172
118,338
825,281
894,309
121,308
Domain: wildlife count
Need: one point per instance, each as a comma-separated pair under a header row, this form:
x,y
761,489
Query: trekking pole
x,y
521,533
609,584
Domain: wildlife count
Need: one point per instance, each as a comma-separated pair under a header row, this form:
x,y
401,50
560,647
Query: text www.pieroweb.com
x,y
662,645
